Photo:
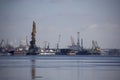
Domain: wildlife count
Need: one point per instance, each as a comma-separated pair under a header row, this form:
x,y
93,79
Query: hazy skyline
x,y
95,20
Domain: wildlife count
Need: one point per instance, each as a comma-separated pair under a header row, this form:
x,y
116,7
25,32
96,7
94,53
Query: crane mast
x,y
72,41
33,50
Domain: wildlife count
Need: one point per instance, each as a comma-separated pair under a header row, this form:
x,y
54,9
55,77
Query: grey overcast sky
x,y
95,20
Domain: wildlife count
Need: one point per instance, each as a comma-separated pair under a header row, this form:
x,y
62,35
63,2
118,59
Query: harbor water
x,y
59,68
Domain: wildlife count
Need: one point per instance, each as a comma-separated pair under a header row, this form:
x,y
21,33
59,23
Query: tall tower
x,y
32,48
81,43
58,43
32,42
78,41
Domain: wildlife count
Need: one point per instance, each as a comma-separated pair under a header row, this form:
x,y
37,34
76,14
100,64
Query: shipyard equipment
x,y
58,43
27,42
72,41
33,50
77,49
95,48
1,43
74,46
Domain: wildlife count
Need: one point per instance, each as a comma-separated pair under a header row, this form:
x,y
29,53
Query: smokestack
x,y
82,43
78,41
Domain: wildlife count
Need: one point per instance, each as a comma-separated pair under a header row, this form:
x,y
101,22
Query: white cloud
x,y
93,26
106,34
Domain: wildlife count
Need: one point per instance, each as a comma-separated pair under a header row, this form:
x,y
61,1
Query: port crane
x,y
81,43
72,41
58,43
1,43
95,47
27,42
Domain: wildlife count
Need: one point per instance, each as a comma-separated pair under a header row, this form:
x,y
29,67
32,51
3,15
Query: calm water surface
x,y
59,68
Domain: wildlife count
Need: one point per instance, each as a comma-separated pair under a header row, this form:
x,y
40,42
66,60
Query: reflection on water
x,y
33,69
59,68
